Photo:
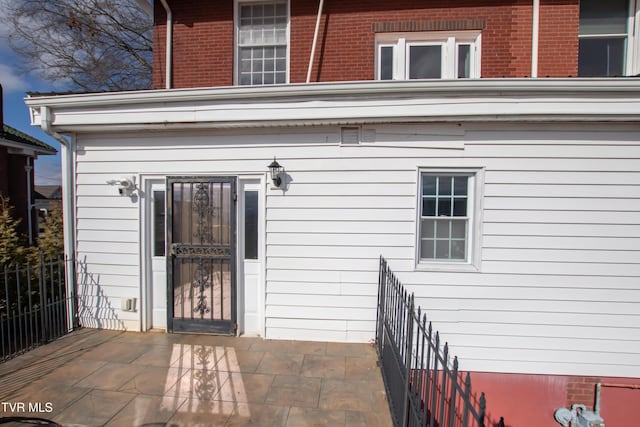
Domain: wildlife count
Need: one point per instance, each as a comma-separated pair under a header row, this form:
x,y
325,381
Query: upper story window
x,y
262,42
428,55
604,38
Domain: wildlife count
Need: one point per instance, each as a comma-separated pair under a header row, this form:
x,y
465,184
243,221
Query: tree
x,y
52,240
88,45
10,246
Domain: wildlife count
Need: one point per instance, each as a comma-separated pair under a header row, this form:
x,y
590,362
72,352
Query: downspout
x,y
68,207
169,47
28,168
535,32
315,41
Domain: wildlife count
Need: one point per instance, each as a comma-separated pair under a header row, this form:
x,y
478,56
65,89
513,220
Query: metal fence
x,y
423,387
34,305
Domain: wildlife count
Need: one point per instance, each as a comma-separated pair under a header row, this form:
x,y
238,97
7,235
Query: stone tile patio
x,y
108,378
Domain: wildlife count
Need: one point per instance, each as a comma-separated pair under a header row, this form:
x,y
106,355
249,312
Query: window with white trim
x,y
431,55
449,213
262,42
605,38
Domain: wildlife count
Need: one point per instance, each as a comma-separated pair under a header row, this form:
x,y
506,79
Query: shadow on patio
x,y
94,378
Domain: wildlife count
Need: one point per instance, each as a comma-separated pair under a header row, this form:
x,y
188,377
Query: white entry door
x,y
157,243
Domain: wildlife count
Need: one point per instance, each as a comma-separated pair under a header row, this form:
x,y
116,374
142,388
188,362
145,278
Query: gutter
x,y
68,207
535,32
428,88
315,41
169,44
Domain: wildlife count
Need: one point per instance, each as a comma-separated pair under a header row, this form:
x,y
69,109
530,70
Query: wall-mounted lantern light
x,y
276,170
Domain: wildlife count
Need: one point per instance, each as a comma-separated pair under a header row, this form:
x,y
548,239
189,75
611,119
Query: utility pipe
x,y
535,33
315,41
68,206
169,47
28,168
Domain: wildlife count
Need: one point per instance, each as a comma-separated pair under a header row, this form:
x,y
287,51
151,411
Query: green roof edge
x,y
15,135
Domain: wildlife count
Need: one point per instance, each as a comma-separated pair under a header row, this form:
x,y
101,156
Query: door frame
x,y
146,244
233,267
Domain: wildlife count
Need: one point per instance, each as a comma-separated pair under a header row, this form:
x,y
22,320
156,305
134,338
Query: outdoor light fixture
x,y
126,186
276,170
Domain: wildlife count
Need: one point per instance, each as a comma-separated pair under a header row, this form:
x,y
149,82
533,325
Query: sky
x,y
15,85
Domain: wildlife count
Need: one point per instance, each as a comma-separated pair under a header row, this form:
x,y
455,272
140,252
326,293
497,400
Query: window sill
x,y
447,266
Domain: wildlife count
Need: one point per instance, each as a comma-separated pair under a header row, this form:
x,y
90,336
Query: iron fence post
x,y
381,300
408,352
2,318
41,285
483,406
31,340
454,388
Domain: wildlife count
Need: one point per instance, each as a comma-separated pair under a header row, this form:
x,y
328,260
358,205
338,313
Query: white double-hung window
x,y
448,227
428,55
606,42
262,42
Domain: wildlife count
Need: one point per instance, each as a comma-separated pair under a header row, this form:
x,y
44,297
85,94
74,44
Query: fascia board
x,y
24,149
496,100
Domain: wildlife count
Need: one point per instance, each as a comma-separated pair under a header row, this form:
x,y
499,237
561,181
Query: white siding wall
x,y
559,285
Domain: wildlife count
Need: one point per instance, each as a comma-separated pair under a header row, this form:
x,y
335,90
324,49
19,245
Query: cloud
x,y
48,171
11,81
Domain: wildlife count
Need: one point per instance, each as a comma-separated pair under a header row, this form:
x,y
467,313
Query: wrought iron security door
x,y
202,263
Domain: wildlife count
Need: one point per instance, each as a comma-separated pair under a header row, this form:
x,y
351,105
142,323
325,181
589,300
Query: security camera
x,y
126,187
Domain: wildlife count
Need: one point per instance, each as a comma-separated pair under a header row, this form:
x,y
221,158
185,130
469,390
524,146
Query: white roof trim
x,y
348,103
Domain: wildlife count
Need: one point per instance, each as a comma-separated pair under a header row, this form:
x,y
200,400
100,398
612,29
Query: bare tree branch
x,y
90,45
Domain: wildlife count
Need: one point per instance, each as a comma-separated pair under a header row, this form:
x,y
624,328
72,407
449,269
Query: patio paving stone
x,y
146,411
323,366
288,346
153,380
114,352
314,417
239,360
362,368
368,419
280,363
346,395
74,372
242,387
198,384
258,415
98,378
295,391
95,408
196,412
111,376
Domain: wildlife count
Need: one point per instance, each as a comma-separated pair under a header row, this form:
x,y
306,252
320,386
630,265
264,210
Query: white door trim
x,y
146,248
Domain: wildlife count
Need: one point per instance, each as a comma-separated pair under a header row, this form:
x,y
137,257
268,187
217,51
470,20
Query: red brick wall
x,y
17,189
558,52
203,37
4,173
202,44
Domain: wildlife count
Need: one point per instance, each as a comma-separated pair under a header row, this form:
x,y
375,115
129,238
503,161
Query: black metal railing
x,y
34,305
423,387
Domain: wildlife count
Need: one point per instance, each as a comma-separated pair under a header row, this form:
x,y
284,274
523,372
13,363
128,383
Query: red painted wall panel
x,y
531,400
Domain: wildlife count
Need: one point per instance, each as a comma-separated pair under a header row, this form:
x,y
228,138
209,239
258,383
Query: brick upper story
x,y
204,46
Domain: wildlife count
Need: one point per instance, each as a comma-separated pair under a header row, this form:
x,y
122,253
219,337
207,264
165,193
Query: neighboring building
x,y
18,152
509,206
46,198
